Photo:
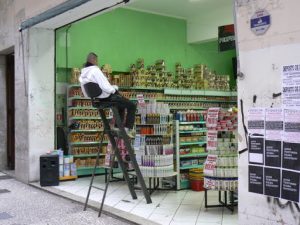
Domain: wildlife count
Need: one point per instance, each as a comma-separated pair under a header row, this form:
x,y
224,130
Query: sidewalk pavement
x,y
21,204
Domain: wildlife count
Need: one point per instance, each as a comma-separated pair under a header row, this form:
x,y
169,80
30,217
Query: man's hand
x,y
115,87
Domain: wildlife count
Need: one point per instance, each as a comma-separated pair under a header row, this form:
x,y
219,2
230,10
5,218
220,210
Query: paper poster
x,y
212,117
256,121
210,165
291,86
272,182
274,124
212,140
256,175
273,153
290,186
273,136
140,99
256,150
291,144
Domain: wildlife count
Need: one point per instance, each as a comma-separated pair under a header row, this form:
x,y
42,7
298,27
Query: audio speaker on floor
x,y
49,170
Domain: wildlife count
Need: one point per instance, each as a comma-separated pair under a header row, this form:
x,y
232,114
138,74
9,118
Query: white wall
x,y
204,26
3,142
260,60
41,96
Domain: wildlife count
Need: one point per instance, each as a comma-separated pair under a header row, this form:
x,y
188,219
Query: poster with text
x,y
256,177
256,150
290,185
212,118
212,140
273,136
291,86
272,182
291,138
256,121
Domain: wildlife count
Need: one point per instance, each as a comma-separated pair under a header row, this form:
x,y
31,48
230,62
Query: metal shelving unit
x,y
81,171
193,155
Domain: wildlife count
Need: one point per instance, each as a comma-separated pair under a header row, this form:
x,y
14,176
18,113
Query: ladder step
x,y
102,189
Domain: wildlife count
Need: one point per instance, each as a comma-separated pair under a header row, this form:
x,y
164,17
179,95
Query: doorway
x,y
10,105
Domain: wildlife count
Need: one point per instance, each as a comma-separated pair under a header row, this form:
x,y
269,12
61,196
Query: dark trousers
x,y
124,103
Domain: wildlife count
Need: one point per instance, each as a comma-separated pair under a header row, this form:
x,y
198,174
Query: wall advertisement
x,y
274,152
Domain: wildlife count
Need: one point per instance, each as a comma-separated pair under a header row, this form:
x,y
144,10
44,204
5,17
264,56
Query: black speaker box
x,y
49,170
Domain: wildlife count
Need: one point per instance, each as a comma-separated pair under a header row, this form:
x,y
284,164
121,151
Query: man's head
x,y
92,58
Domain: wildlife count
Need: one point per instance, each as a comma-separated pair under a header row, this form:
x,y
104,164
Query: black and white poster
x,y
290,185
256,177
273,136
291,138
291,86
272,182
256,129
256,150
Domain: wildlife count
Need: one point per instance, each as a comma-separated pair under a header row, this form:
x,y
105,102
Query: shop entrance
x,y
10,105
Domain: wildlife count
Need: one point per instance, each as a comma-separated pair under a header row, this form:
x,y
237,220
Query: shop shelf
x,y
67,178
192,131
73,85
81,107
78,98
88,143
84,118
192,122
151,124
87,155
184,108
155,134
193,143
191,167
81,171
185,100
78,131
170,91
184,184
142,88
201,154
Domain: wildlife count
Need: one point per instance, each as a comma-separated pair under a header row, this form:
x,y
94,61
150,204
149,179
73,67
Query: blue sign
x,y
260,22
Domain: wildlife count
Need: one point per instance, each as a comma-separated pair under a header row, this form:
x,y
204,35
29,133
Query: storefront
x,y
50,47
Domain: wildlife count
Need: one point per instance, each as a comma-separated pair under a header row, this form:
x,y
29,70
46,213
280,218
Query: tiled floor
x,y
183,207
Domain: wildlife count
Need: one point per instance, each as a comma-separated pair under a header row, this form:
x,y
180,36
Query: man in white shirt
x,y
92,73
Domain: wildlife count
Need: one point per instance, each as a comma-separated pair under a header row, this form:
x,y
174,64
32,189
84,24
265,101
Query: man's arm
x,y
103,82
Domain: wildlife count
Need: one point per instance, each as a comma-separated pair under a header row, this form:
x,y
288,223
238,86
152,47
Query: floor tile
x,y
143,211
187,213
212,215
164,219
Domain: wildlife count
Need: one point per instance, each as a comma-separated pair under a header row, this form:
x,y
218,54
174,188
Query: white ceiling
x,y
184,9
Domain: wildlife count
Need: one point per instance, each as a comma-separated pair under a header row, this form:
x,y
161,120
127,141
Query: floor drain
x,y
2,191
5,216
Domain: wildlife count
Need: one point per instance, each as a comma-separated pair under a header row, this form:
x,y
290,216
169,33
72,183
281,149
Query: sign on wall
x,y
226,37
274,156
260,22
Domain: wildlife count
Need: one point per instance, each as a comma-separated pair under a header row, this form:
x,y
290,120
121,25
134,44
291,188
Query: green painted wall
x,y
121,36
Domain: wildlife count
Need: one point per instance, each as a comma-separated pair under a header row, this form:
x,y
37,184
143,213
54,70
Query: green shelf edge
x,y
192,131
88,143
191,167
204,154
192,122
87,155
192,143
77,131
84,118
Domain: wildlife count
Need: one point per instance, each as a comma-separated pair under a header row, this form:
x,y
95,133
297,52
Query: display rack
x,y
220,170
190,135
85,127
154,143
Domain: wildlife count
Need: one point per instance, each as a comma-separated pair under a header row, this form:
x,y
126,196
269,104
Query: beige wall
x,y
261,58
12,13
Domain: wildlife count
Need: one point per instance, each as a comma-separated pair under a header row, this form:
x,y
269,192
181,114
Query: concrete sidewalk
x,y
21,204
